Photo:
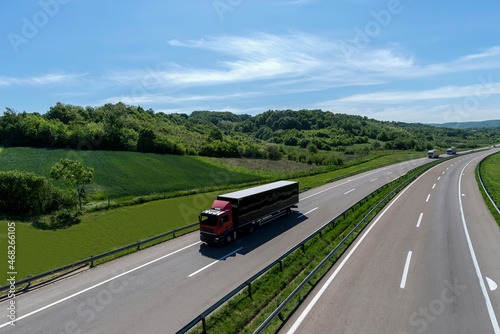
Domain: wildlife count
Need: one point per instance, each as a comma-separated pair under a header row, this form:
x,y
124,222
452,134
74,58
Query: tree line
x,y
272,134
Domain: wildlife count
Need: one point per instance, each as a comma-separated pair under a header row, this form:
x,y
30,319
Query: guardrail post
x,y
281,265
204,323
303,248
249,284
92,262
29,284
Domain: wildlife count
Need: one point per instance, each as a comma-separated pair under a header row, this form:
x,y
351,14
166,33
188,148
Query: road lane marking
x,y
217,261
491,283
487,300
338,185
389,173
349,191
98,284
309,307
420,219
439,178
444,172
428,196
405,272
434,186
302,215
375,179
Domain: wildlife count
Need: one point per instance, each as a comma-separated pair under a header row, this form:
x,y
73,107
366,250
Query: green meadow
x,y
120,174
490,172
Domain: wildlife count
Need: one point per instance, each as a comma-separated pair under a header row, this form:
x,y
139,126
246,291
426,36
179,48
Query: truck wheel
x,y
251,228
229,238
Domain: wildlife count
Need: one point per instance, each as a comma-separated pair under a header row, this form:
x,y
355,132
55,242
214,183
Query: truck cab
x,y
216,224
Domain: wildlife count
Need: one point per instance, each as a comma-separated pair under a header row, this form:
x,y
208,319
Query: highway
x,y
428,263
160,289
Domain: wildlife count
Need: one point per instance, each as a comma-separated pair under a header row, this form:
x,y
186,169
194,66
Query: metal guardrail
x,y
306,280
201,318
304,189
91,259
482,183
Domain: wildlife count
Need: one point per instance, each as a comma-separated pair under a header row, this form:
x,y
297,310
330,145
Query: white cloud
x,y
481,91
47,79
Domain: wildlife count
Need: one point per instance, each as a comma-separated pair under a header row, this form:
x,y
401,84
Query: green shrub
x,y
26,193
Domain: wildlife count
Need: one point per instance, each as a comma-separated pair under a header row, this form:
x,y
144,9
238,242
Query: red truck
x,y
243,210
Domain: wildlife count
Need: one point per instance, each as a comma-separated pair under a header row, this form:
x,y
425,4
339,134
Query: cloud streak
x,y
46,79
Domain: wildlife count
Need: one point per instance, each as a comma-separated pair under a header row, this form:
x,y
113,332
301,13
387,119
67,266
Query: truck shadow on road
x,y
251,241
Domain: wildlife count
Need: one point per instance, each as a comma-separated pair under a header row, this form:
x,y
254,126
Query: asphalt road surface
x,y
429,263
160,289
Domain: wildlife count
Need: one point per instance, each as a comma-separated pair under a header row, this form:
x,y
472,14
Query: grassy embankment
x,y
490,170
40,250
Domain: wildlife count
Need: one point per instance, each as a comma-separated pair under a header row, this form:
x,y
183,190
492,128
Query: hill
x,y
127,173
469,125
311,136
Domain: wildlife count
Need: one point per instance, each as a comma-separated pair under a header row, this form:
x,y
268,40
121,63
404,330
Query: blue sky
x,y
403,60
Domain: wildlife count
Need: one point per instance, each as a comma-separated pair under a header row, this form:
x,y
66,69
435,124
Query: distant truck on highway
x,y
451,150
433,153
246,209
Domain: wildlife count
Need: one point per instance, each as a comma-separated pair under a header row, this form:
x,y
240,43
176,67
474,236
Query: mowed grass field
x,y
490,173
38,251
121,174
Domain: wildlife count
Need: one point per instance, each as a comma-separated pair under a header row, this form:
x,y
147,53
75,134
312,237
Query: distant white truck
x,y
433,154
451,150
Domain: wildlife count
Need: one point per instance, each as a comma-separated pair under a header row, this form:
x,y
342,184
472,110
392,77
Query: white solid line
x,y
375,179
211,264
302,215
338,185
349,191
97,285
428,196
309,307
420,219
491,312
405,272
434,186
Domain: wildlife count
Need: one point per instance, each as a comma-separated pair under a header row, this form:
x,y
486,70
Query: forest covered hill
x,y
296,135
469,125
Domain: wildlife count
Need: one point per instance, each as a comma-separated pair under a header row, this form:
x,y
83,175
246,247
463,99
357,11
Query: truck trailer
x,y
451,150
433,153
246,209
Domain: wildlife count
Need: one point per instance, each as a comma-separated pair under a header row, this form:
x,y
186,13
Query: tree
x,y
73,174
215,134
146,141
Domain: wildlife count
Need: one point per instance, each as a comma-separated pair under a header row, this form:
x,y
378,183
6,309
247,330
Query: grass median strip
x,y
244,313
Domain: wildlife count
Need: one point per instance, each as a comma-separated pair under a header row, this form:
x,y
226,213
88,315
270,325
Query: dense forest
x,y
274,134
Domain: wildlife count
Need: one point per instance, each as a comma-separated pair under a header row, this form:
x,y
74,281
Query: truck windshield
x,y
209,220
